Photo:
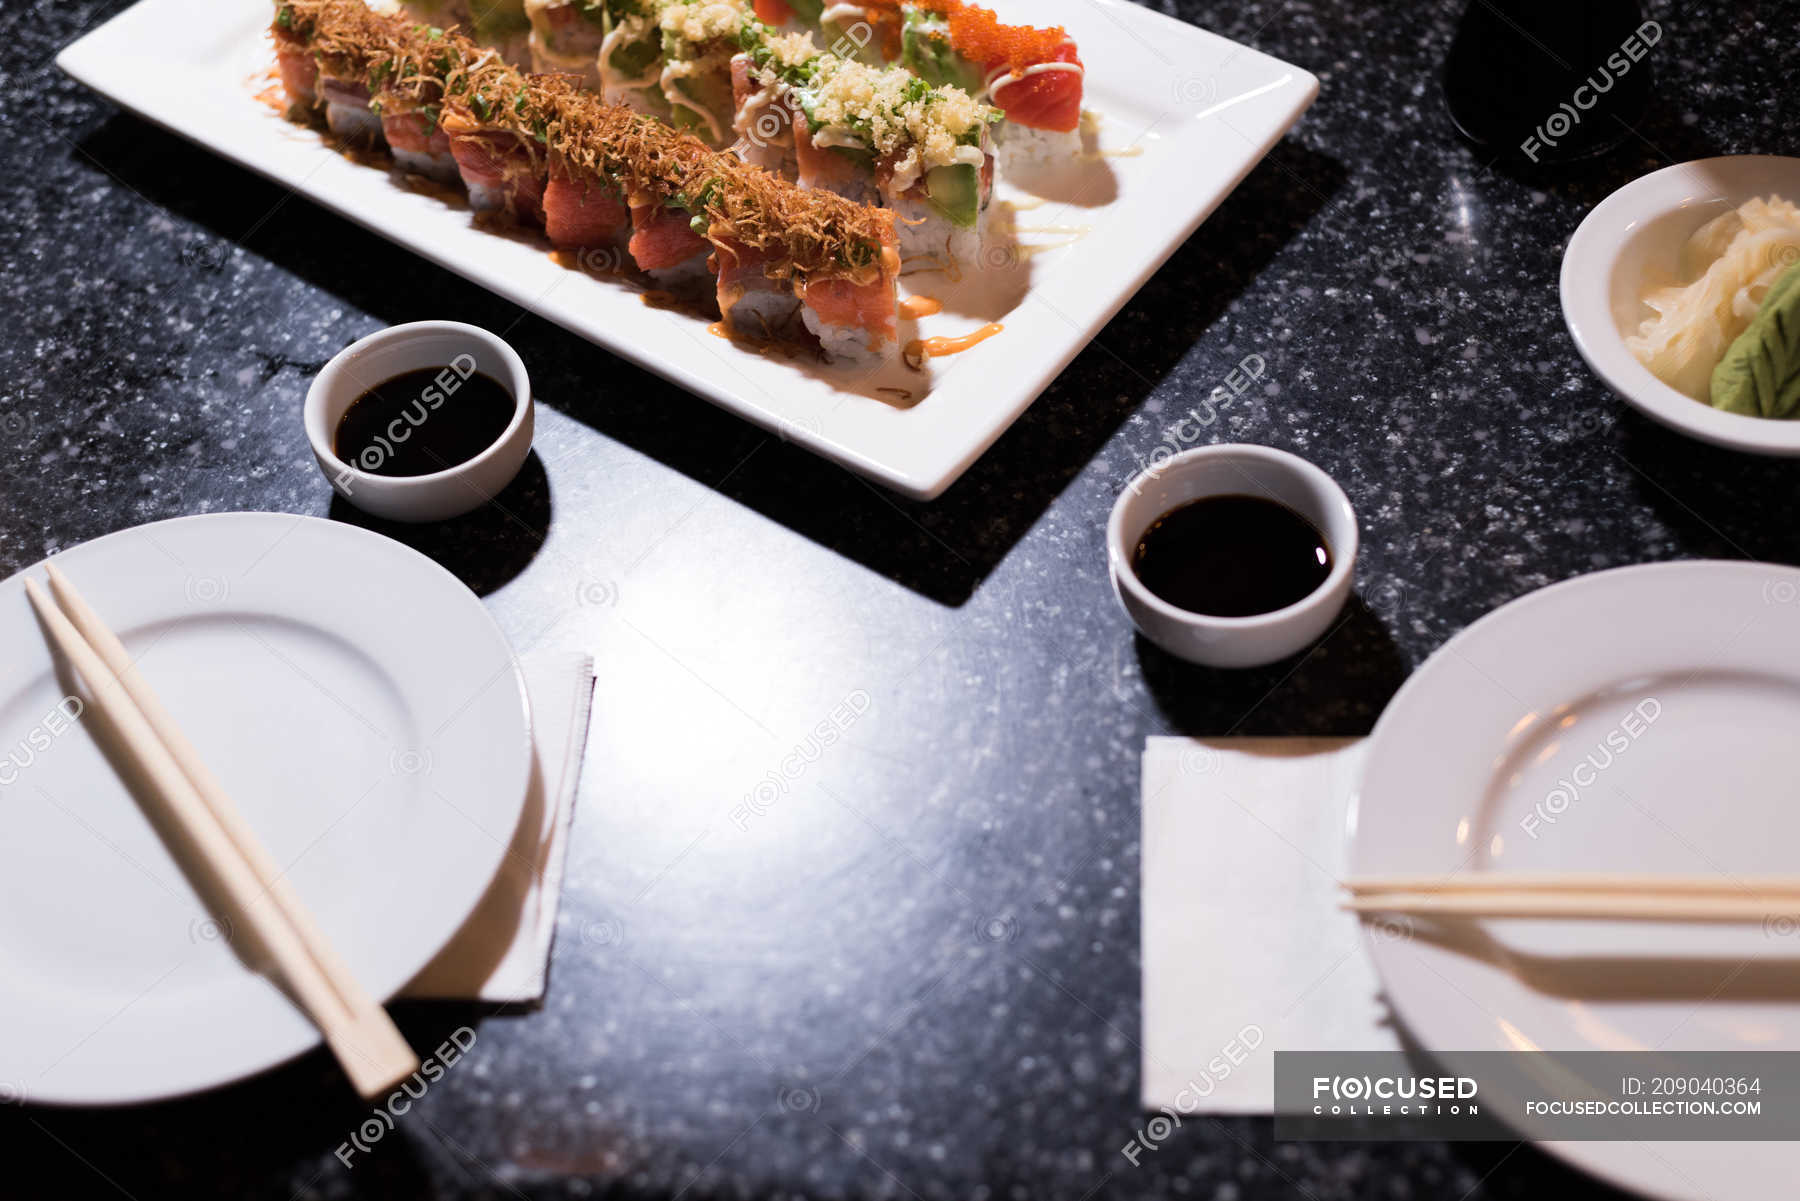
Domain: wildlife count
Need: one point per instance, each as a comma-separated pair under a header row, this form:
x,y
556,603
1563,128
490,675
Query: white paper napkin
x,y
1245,951
502,953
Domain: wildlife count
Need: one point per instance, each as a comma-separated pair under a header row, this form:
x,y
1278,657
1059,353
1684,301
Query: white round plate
x,y
1634,237
360,706
1641,720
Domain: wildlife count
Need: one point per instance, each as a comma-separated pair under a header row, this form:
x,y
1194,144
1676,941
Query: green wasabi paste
x,y
1760,373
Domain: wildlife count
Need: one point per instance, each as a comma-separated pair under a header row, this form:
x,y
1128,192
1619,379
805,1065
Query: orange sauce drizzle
x,y
920,306
920,349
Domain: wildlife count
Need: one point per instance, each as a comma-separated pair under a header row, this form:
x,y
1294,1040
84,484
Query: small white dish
x,y
1639,719
1226,470
366,363
364,712
1635,236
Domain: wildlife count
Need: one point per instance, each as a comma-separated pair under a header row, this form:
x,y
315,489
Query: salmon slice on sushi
x,y
503,177
667,248
855,316
1033,76
1042,104
583,211
299,70
417,140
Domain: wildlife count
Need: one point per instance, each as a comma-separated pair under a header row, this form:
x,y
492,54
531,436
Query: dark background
x,y
916,973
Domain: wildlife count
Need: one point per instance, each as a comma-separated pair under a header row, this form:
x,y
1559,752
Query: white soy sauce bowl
x,y
1633,239
1232,469
461,350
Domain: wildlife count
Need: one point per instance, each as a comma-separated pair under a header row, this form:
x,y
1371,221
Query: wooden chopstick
x,y
1625,906
374,1055
1578,882
1621,896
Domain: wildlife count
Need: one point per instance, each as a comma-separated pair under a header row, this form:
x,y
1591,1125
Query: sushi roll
x,y
666,247
886,136
299,70
763,120
583,210
502,174
566,36
699,40
854,314
347,111
874,135
836,162
418,142
1033,76
545,151
755,296
630,62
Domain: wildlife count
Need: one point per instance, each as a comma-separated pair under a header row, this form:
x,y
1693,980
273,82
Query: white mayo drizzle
x,y
671,75
1004,77
610,79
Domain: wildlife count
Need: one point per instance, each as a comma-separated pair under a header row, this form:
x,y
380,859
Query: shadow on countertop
x,y
941,549
242,1139
1335,688
484,549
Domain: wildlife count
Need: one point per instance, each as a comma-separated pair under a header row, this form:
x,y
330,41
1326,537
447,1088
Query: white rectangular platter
x,y
1181,117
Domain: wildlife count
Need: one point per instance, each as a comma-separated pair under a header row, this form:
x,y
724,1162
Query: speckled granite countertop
x,y
912,971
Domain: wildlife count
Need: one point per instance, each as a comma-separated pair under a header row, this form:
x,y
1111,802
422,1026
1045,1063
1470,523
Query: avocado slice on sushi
x,y
955,191
925,50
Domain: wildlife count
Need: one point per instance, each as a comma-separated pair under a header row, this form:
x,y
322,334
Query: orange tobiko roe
x,y
977,34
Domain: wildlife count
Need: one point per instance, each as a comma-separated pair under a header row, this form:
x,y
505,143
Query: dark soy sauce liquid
x,y
1232,556
423,421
